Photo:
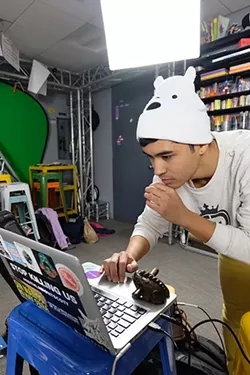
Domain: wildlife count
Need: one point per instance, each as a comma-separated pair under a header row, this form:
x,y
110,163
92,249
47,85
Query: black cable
x,y
209,317
157,328
216,329
188,333
229,328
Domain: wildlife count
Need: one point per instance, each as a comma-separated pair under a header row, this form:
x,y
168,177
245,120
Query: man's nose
x,y
159,167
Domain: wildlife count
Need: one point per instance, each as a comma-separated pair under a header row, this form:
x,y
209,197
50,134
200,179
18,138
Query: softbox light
x,y
148,32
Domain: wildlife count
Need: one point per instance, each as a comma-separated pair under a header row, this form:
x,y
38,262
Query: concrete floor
x,y
194,276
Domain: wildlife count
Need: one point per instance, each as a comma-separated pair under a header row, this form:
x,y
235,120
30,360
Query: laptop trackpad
x,y
94,278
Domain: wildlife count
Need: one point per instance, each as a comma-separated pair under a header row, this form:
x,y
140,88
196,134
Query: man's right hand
x,y
116,266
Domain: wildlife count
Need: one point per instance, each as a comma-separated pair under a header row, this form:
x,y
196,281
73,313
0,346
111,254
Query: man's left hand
x,y
166,201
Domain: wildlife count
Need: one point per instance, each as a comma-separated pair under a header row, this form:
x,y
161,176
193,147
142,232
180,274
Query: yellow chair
x,y
5,178
241,367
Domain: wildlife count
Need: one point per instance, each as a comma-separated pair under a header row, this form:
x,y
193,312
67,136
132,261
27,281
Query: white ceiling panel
x,y
72,56
84,9
235,5
97,45
26,40
48,21
98,21
4,25
10,10
211,8
85,34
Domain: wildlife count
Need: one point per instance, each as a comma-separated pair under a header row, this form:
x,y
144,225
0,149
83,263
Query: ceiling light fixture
x,y
149,32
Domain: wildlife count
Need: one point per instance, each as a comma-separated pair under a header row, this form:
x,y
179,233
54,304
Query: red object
x,y
244,42
98,226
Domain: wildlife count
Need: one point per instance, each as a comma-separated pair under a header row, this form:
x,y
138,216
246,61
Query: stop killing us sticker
x,y
69,279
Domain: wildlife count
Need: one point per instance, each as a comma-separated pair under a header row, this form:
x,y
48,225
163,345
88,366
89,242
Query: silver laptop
x,y
76,294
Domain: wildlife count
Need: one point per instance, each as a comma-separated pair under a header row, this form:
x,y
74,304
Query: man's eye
x,y
167,157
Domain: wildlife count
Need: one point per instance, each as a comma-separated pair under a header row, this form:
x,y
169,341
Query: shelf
x,y
228,111
219,48
224,42
49,167
71,211
208,82
225,96
68,187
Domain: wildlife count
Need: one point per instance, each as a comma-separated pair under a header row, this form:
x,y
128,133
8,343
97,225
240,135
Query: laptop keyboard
x,y
118,314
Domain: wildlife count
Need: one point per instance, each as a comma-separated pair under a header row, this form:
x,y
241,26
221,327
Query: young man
x,y
202,183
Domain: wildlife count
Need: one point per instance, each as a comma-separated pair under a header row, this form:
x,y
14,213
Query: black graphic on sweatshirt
x,y
215,214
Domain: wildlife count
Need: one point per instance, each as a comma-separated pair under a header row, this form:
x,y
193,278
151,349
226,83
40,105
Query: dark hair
x,y
147,141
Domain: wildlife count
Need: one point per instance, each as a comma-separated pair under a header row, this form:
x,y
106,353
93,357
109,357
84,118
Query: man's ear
x,y
203,149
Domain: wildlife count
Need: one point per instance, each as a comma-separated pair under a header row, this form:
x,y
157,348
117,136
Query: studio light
x,y
149,32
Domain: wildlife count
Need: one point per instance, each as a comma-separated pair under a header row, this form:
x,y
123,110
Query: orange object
x,y
18,84
53,187
244,42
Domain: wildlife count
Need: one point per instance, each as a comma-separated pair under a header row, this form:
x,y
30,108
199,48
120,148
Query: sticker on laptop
x,y
13,251
47,266
3,251
28,257
31,294
69,279
92,328
92,275
91,270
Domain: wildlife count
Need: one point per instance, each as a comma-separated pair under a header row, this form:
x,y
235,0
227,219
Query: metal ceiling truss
x,y
58,80
97,78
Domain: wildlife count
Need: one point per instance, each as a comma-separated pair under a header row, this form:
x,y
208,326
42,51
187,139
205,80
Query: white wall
x,y
59,103
103,149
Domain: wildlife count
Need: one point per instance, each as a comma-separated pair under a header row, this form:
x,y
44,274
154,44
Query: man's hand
x,y
116,266
166,202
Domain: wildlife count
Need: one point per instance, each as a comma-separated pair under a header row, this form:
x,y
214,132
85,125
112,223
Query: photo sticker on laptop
x,y
28,257
47,266
3,250
13,251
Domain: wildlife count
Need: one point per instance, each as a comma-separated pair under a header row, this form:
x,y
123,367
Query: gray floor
x,y
194,276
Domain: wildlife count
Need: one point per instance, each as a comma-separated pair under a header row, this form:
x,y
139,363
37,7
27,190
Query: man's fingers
x,y
153,205
106,268
113,267
123,259
132,267
161,187
153,199
153,191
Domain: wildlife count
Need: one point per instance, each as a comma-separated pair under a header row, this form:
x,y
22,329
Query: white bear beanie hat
x,y
176,113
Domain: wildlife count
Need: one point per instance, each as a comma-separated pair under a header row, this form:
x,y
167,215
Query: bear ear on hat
x,y
190,74
158,81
